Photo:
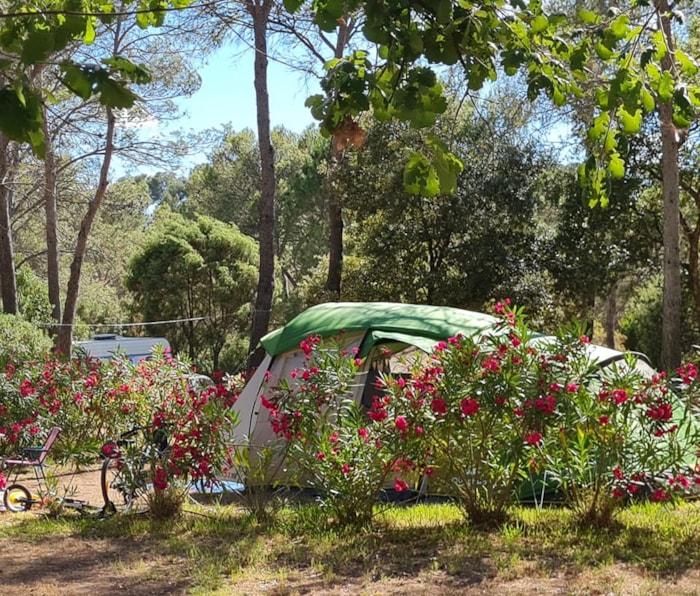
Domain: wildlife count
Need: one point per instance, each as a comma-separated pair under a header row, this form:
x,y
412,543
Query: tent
x,y
407,330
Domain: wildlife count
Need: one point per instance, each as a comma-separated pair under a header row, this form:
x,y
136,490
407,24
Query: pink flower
x,y
469,406
345,468
620,396
438,405
401,423
603,420
533,438
400,485
320,455
660,412
660,495
160,479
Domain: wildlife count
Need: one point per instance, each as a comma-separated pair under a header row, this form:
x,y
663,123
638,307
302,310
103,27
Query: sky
x,y
227,95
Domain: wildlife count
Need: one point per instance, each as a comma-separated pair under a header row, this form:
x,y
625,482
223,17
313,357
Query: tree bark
x,y
611,316
260,12
335,248
8,279
52,249
335,209
65,332
671,324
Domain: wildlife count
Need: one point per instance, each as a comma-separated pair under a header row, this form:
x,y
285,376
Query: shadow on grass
x,y
211,543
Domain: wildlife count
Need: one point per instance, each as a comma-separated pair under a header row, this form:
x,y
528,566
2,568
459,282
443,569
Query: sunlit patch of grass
x,y
422,515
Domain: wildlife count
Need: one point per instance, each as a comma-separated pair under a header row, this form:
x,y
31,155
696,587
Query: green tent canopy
x,y
384,318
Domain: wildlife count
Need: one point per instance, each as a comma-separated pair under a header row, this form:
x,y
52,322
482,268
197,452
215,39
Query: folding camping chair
x,y
33,457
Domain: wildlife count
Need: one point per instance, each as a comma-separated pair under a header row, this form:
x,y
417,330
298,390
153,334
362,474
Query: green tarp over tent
x,y
326,320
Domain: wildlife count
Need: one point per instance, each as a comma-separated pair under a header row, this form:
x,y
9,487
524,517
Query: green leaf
x,y
137,73
115,94
660,47
143,20
688,65
630,123
293,5
616,167
647,100
588,16
539,24
600,127
20,119
443,11
666,86
620,26
38,45
78,79
602,98
419,177
89,35
446,165
603,52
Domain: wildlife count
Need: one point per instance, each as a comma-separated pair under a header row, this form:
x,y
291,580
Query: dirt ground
x,y
72,565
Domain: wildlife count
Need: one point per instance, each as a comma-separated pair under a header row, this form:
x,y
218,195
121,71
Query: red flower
x,y
660,411
660,495
400,485
620,396
401,423
469,406
160,479
438,405
533,438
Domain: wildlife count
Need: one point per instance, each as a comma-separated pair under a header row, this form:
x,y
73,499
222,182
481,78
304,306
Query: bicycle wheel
x,y
115,490
17,498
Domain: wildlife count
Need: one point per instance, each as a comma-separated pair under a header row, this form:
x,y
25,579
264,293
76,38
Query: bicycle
x,y
19,498
125,478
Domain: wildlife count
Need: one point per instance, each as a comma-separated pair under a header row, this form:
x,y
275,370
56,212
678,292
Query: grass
x,y
223,550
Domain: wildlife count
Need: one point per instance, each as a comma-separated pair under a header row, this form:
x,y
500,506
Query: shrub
x,y
21,341
92,401
332,445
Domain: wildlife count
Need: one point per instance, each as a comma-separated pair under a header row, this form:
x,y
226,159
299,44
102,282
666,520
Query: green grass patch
x,y
213,549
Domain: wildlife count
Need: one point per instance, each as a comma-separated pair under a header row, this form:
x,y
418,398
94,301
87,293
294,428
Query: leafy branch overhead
x,y
38,32
630,53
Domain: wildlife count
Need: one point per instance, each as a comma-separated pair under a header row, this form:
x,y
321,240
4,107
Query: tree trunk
x,y
335,208
610,317
671,324
260,12
8,280
65,332
52,251
335,241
